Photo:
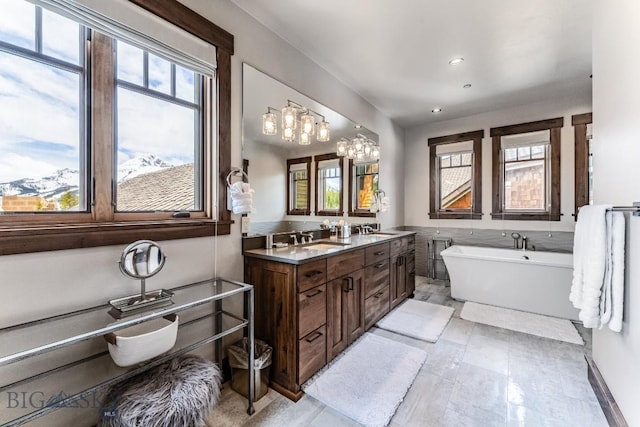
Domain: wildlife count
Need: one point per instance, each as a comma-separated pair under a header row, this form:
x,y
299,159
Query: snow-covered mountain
x,y
139,166
54,186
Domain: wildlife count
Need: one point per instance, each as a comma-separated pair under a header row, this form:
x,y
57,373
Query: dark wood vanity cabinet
x,y
311,312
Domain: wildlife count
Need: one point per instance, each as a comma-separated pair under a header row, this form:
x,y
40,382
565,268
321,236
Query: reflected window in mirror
x,y
526,171
363,183
299,187
455,164
329,173
583,160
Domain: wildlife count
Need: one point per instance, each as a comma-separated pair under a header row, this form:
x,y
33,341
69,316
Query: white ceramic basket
x,y
144,341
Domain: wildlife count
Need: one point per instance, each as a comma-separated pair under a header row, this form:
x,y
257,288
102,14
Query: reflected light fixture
x,y
360,149
296,119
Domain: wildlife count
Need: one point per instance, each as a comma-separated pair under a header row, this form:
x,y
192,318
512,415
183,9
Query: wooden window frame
x,y
581,171
476,191
554,126
363,213
317,159
307,210
37,233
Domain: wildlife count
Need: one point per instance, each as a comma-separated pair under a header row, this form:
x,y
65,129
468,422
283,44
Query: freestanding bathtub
x,y
538,282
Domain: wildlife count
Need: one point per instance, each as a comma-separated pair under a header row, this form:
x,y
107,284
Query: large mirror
x,y
284,174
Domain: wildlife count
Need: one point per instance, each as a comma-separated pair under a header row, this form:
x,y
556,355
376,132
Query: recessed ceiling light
x,y
357,126
436,110
456,61
467,86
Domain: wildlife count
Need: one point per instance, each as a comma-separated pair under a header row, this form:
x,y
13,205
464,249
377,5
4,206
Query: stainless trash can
x,y
239,362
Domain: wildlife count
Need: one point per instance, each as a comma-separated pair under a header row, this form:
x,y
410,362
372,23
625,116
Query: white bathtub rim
x,y
455,251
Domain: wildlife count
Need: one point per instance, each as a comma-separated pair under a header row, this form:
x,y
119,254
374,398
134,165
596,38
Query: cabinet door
x,y
337,339
398,282
275,316
411,272
355,306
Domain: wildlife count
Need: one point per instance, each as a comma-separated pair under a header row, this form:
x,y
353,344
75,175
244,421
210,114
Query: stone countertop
x,y
318,249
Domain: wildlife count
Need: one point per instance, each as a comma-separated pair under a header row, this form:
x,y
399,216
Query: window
x,y
329,173
298,188
104,149
363,183
526,171
455,163
583,160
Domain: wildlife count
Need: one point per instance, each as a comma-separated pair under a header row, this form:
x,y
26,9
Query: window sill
x,y
298,212
363,214
26,239
455,215
329,213
511,216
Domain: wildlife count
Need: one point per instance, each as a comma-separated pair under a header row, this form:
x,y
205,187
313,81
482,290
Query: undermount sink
x,y
323,246
381,234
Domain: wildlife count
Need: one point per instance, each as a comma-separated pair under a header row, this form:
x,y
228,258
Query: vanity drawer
x,y
339,265
312,309
312,353
375,307
312,274
376,276
376,253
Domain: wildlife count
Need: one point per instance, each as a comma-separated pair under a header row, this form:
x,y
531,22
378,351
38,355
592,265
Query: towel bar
x,y
635,208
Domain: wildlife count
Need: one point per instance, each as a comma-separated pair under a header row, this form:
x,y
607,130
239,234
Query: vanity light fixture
x,y
360,149
456,61
296,119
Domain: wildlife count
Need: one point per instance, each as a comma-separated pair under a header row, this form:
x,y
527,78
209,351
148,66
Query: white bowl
x,y
142,342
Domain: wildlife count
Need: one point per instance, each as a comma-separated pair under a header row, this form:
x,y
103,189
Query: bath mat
x,y
417,319
521,321
369,380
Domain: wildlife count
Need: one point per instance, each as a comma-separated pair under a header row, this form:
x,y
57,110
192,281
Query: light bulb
x,y
287,134
269,126
288,118
357,143
341,148
307,124
323,131
304,139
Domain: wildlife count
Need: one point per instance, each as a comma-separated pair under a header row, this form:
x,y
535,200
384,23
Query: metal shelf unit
x,y
435,246
30,340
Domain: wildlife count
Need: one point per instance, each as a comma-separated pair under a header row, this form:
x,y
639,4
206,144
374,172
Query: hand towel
x,y
617,277
590,255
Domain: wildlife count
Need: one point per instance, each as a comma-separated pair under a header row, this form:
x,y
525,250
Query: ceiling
x,y
396,54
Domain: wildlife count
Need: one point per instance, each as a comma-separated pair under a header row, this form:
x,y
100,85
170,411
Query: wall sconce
x,y
296,117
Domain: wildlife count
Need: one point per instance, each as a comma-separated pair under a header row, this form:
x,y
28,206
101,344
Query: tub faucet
x,y
516,240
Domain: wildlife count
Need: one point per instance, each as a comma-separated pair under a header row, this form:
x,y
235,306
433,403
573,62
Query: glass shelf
x,y
35,338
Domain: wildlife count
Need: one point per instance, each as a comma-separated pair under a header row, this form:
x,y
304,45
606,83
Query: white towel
x,y
616,288
589,258
240,198
598,267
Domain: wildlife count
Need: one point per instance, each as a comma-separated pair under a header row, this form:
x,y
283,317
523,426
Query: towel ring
x,y
235,172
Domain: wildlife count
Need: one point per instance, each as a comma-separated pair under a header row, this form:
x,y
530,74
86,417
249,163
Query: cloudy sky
x,y
41,105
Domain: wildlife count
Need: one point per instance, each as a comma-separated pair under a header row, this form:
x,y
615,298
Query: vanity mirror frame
x,y
257,88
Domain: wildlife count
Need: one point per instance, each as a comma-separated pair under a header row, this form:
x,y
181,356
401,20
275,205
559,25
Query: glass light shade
x,y
269,124
375,153
357,143
307,124
288,134
323,131
351,152
288,118
359,156
341,149
305,139
366,149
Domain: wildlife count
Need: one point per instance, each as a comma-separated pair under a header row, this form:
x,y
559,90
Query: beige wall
x,y
616,102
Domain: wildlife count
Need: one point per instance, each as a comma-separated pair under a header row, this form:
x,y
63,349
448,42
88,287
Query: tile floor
x,y
475,375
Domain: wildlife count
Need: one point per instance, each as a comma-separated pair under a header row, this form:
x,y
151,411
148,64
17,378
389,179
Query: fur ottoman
x,y
178,393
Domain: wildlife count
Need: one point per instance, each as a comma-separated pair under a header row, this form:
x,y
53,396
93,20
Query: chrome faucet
x,y
524,243
516,240
366,229
295,238
308,235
